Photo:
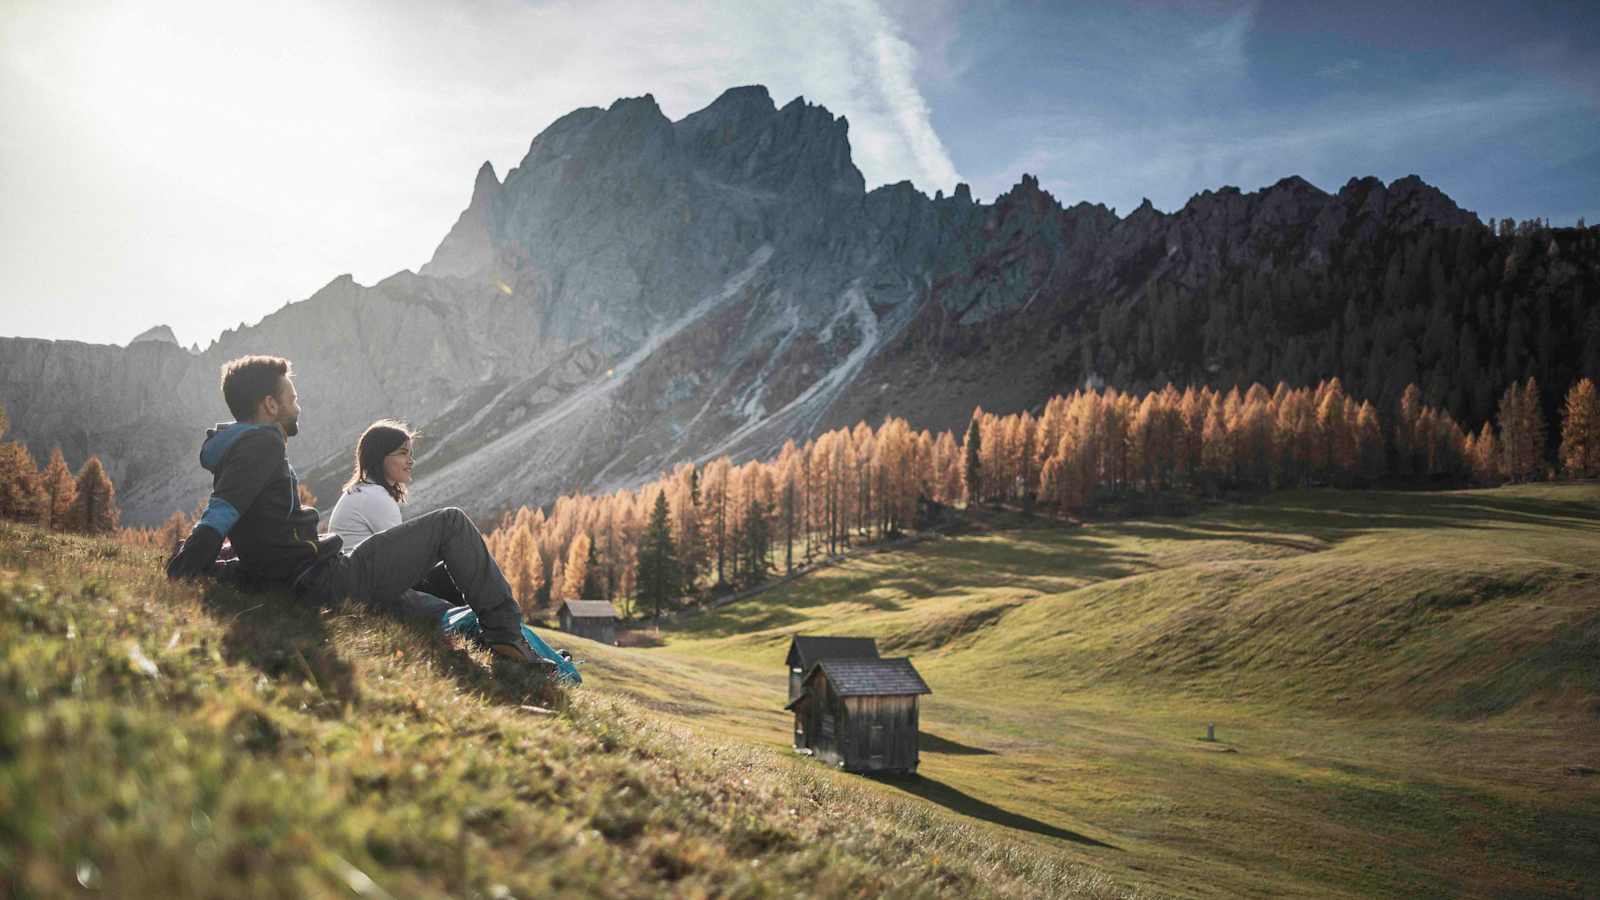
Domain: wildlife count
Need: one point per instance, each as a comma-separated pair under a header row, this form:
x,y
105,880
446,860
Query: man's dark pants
x,y
386,567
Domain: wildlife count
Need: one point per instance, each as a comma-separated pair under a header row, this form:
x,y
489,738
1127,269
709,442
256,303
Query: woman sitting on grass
x,y
370,503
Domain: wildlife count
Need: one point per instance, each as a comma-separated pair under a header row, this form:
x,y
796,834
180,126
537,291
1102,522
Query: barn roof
x,y
871,677
805,650
590,609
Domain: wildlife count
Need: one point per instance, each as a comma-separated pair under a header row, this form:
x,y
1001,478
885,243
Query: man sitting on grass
x,y
255,502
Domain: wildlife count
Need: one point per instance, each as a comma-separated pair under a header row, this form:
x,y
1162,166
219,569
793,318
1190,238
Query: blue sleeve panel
x,y
219,515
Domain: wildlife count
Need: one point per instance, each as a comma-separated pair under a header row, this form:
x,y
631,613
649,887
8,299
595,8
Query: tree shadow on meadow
x,y
955,800
1335,515
1069,553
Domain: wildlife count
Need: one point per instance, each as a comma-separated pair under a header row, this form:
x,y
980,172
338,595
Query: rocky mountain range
x,y
638,292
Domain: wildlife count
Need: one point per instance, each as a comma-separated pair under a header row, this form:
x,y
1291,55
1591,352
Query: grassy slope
x,y
1399,683
164,741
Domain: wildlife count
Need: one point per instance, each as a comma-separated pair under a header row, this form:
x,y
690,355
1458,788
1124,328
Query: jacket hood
x,y
222,437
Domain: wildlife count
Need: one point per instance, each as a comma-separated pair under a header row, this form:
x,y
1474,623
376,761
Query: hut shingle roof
x,y
590,609
805,650
872,677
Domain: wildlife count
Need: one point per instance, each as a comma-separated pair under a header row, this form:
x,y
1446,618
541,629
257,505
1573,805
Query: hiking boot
x,y
518,651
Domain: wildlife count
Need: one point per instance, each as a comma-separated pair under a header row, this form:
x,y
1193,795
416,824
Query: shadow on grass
x,y
288,639
281,637
1335,515
1063,553
929,742
736,619
955,800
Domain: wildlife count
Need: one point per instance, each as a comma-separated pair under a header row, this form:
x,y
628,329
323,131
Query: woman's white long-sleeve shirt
x,y
362,512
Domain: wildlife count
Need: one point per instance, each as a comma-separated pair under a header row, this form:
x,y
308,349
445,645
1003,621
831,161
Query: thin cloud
x,y
1222,46
1341,69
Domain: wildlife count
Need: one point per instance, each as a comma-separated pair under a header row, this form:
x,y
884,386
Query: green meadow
x,y
1399,683
1405,690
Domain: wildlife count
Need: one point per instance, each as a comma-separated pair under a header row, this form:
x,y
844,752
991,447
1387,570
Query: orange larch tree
x,y
1580,431
94,509
60,489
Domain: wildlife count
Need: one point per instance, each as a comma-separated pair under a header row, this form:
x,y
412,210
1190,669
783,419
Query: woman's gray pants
x,y
384,569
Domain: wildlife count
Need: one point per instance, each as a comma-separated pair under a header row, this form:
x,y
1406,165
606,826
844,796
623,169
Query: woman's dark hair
x,y
381,438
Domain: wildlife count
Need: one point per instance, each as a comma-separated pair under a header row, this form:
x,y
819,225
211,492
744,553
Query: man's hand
x,y
197,556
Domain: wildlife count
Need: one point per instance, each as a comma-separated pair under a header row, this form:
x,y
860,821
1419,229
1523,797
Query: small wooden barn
x,y
593,619
806,651
860,714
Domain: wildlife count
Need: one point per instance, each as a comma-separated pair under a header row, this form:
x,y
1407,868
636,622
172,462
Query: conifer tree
x,y
558,583
788,503
972,471
714,487
684,504
1521,431
1405,430
524,567
1369,438
1580,431
94,510
60,490
22,494
947,469
1533,413
756,538
175,529
1216,452
591,587
658,560
1484,456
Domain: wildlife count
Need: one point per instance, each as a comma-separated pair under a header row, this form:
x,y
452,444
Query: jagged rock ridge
x,y
638,291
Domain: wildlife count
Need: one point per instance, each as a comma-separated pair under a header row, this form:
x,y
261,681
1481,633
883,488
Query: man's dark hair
x,y
248,380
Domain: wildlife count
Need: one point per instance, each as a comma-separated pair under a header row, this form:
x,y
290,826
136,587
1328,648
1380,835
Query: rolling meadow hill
x,y
1404,688
639,292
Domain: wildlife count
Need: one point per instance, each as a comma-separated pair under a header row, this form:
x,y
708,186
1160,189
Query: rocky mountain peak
x,y
737,112
469,246
1026,196
1145,211
1419,202
1290,201
1294,184
801,149
486,187
161,334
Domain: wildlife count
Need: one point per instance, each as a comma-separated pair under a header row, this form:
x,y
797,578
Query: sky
x,y
200,164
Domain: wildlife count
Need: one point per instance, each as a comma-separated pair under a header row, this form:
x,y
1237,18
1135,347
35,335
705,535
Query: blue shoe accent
x,y
463,621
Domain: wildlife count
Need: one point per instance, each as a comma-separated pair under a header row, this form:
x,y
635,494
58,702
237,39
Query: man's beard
x,y
291,427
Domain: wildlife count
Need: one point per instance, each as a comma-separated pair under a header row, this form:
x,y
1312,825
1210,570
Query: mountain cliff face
x,y
638,292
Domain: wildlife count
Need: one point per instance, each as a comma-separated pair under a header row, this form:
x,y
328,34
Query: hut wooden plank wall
x,y
860,714
592,619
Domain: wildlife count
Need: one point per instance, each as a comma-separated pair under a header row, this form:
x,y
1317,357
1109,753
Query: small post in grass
x,y
1211,732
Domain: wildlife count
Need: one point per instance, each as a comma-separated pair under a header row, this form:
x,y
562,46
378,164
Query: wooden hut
x,y
860,714
806,651
593,619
